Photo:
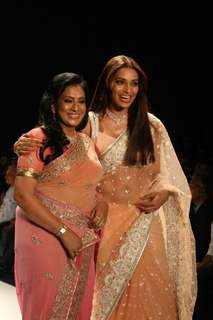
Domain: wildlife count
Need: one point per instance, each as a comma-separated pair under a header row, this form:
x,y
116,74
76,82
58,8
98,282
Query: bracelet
x,y
61,231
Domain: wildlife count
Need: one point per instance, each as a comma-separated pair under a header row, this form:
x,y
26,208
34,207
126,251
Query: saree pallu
x,y
146,265
50,285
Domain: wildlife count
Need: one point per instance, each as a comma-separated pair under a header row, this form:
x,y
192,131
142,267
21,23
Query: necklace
x,y
115,118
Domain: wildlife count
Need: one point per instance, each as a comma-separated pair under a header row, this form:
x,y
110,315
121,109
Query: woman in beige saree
x,y
145,267
146,260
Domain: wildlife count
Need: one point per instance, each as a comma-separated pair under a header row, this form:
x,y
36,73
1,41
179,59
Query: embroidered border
x,y
113,156
67,159
83,277
73,215
65,292
118,271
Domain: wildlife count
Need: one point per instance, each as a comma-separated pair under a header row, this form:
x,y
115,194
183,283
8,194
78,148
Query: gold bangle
x,y
61,231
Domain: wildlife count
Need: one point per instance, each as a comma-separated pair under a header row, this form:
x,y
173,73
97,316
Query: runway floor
x,y
9,308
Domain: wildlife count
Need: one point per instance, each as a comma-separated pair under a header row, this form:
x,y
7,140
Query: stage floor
x,y
9,308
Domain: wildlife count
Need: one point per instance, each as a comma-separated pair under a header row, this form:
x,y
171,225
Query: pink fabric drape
x,y
49,284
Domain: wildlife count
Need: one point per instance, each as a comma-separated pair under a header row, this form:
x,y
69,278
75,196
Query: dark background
x,y
171,43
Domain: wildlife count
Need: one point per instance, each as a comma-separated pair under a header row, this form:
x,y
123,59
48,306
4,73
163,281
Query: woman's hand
x,y
26,144
152,201
99,215
72,243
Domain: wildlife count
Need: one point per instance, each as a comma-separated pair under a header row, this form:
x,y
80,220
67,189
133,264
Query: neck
x,y
70,135
70,132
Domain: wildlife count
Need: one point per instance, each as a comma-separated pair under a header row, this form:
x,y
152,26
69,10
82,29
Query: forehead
x,y
127,73
74,91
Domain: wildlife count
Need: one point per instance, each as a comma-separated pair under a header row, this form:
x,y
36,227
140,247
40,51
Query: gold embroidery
x,y
89,237
82,282
117,272
67,159
178,234
35,240
65,292
73,215
49,275
114,155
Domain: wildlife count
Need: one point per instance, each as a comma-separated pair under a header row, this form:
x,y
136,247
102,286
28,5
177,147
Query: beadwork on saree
x,y
65,285
74,278
129,237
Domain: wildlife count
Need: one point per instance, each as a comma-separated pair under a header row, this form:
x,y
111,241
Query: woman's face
x,y
71,106
124,88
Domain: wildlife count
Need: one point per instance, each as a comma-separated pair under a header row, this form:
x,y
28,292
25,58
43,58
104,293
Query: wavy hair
x,y
140,147
49,122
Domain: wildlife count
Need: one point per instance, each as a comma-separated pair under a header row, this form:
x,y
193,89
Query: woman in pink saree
x,y
59,213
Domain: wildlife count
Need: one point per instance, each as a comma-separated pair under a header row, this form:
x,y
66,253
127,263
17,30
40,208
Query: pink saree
x,y
51,286
146,262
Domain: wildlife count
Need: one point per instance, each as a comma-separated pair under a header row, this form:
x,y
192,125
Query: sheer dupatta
x,y
174,214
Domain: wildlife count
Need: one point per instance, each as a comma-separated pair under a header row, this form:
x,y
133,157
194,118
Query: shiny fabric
x,y
146,262
50,285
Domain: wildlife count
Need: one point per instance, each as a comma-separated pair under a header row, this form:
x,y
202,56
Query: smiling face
x,y
71,108
124,88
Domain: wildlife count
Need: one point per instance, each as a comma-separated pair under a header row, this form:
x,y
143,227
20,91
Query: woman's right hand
x,y
26,144
152,201
72,243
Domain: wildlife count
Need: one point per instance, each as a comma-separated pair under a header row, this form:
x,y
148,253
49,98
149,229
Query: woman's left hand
x,y
99,215
152,201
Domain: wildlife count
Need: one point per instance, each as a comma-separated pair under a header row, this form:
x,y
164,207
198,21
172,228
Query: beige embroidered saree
x,y
146,262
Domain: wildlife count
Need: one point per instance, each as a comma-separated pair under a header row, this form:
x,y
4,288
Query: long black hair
x,y
49,121
140,147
